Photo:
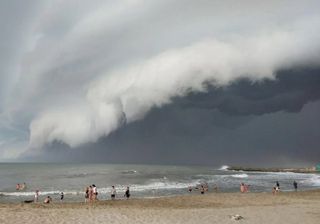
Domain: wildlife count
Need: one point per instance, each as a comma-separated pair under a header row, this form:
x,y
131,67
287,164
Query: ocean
x,y
144,180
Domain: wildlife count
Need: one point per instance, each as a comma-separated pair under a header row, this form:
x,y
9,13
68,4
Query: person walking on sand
x,y
295,185
113,193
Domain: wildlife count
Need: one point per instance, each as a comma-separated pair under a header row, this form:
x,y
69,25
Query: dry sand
x,y
286,207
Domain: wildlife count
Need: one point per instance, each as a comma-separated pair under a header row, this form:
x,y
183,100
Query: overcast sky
x,y
175,82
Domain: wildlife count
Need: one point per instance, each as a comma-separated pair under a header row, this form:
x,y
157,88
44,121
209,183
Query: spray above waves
x,y
224,168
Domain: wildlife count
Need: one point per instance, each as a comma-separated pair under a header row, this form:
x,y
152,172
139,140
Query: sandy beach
x,y
286,207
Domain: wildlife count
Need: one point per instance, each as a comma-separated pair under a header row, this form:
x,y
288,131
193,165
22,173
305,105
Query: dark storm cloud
x,y
291,90
269,140
198,130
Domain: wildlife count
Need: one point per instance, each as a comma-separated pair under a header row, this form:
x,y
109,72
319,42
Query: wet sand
x,y
286,207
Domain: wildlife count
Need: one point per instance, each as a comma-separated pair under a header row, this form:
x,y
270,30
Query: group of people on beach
x,y
276,188
202,188
244,188
91,193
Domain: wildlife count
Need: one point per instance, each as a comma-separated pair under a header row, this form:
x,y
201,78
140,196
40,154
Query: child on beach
x,y
47,200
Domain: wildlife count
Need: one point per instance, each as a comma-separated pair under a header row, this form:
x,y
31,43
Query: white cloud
x,y
133,91
86,69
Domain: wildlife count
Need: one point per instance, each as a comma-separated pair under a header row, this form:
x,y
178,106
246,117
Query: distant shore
x,y
285,207
254,169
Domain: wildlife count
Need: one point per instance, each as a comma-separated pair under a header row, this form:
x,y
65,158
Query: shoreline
x,y
263,208
171,199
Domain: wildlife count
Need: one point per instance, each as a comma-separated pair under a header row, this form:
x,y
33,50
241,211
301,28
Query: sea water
x,y
143,180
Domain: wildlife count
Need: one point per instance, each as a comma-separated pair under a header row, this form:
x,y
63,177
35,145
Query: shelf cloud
x,y
73,73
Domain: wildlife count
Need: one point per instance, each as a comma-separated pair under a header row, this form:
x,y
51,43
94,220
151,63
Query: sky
x,y
161,82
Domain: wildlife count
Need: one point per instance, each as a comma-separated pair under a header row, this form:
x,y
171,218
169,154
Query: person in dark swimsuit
x,y
127,193
295,185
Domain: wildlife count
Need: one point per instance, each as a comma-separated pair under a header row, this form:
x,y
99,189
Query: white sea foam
x,y
314,180
242,175
224,167
157,185
31,193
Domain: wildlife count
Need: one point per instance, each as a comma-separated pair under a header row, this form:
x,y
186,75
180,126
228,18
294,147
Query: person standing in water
x,y
23,186
277,186
127,193
36,196
295,185
61,196
94,192
113,193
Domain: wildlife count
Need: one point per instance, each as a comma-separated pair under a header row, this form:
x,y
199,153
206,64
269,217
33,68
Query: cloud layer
x,y
74,72
128,94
